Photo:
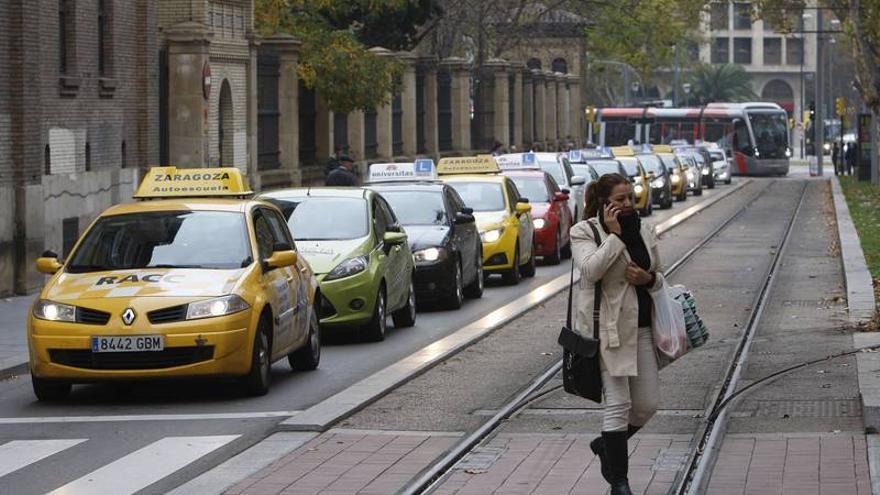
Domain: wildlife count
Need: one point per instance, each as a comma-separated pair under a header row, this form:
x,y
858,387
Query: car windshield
x,y
533,188
417,207
652,163
669,161
716,156
583,170
631,165
324,219
164,239
554,168
481,196
605,167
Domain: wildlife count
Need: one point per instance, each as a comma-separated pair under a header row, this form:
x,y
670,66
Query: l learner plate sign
x,y
134,343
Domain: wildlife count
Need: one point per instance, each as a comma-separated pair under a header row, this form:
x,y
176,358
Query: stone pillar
x,y
356,138
528,108
576,110
562,130
540,103
501,104
287,48
552,131
252,111
408,104
516,71
323,130
461,103
384,117
188,55
427,67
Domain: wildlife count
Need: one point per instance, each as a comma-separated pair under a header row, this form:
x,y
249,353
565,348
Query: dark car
x,y
659,177
704,161
444,240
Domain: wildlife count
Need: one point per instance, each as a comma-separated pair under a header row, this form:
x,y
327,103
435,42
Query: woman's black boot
x,y
617,457
598,448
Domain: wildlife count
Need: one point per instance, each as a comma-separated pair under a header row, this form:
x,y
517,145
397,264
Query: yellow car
x,y
503,216
677,168
639,177
197,282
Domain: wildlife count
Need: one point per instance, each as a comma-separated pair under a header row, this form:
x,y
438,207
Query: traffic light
x,y
812,110
590,112
840,106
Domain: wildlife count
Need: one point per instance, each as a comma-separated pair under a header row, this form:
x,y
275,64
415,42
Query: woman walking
x,y
626,262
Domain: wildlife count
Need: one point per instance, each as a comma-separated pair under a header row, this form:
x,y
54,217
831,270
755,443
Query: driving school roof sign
x,y
481,164
171,182
518,161
422,169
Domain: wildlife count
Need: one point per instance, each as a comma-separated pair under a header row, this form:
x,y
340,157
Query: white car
x,y
557,165
720,162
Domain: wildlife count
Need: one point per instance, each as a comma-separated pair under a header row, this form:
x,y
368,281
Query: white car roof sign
x,y
421,169
518,161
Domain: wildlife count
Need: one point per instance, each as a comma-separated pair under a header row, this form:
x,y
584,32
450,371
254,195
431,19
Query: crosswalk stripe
x,y
17,454
144,467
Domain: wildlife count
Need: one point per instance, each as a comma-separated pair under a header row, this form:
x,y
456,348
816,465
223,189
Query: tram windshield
x,y
770,130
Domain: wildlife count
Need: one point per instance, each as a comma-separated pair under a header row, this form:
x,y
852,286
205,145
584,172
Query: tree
x,y
721,83
334,61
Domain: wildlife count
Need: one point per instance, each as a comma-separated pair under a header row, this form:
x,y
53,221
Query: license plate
x,y
135,343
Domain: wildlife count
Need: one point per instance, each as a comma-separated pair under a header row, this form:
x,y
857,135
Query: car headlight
x,y
690,175
491,235
827,146
705,170
676,179
638,189
53,311
212,308
347,268
788,152
430,254
539,223
658,182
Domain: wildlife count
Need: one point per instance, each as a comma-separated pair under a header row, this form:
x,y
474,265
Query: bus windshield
x,y
771,133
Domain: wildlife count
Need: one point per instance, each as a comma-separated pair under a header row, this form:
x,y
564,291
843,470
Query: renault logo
x,y
128,316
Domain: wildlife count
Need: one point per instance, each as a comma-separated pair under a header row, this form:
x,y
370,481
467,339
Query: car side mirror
x,y
462,218
48,263
652,175
561,196
523,207
565,191
394,238
280,259
578,180
467,210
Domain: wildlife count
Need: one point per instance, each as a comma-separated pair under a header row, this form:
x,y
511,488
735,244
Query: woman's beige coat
x,y
619,311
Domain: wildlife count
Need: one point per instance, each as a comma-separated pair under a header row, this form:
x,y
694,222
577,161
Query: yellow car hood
x,y
489,219
143,283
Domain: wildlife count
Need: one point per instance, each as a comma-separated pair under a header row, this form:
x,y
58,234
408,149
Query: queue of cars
x,y
199,278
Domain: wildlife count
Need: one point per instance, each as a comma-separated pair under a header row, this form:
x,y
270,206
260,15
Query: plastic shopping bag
x,y
697,333
669,327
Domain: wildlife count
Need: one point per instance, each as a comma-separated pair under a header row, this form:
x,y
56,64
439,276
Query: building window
x,y
123,163
720,16
794,51
47,160
772,51
720,50
69,234
742,50
533,63
105,37
560,65
65,35
742,16
88,157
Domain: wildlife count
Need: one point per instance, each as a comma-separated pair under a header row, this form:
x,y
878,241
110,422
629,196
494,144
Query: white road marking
x,y
144,467
147,417
17,454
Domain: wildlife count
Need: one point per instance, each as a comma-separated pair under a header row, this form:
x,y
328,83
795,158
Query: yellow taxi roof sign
x,y
480,164
173,182
622,151
662,148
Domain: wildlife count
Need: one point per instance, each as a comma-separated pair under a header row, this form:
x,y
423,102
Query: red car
x,y
550,213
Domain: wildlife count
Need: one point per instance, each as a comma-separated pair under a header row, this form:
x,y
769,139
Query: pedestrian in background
x,y
333,162
343,175
850,158
627,264
836,159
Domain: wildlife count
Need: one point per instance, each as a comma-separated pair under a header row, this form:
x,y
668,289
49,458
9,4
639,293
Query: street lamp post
x,y
686,88
626,70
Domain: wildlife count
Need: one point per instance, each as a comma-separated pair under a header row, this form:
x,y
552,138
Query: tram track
x,y
431,477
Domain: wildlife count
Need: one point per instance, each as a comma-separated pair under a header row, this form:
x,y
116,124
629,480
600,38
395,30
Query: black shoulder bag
x,y
580,355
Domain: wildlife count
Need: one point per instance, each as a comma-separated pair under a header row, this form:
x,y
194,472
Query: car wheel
x,y
307,357
256,382
528,270
455,298
374,330
512,275
698,192
475,289
556,257
50,390
405,317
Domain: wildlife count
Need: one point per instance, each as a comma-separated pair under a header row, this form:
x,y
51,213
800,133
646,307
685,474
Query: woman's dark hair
x,y
600,191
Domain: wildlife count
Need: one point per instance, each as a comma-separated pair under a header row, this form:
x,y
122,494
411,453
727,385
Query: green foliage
x,y
863,199
721,83
333,60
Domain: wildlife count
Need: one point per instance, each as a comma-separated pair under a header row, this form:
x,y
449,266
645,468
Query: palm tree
x,y
721,83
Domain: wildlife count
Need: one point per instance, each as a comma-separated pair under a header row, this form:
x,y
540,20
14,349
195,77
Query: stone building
x,y
78,99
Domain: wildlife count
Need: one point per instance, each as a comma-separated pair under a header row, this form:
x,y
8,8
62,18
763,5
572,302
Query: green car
x,y
359,253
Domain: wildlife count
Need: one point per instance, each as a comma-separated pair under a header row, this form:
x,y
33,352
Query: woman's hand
x,y
635,275
610,213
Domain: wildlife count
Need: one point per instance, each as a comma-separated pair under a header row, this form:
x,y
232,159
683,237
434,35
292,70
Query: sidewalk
x,y
13,341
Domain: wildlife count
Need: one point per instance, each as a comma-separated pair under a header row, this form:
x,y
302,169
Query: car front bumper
x,y
349,301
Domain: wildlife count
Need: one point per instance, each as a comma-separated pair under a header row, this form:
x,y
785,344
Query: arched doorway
x,y
225,129
779,91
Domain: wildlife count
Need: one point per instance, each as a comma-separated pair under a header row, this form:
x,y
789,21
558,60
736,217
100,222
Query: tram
x,y
754,134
